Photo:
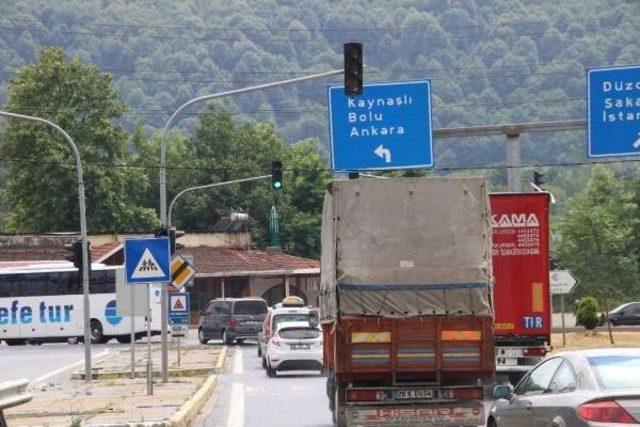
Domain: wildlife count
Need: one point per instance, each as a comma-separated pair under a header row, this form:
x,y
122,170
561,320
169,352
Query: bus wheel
x,y
97,335
123,339
73,340
15,342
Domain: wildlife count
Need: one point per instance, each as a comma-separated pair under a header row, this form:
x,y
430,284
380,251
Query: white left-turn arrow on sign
x,y
383,153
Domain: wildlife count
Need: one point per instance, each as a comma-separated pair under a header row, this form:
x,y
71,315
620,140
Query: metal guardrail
x,y
13,393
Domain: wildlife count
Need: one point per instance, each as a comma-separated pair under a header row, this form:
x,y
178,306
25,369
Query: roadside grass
x,y
600,338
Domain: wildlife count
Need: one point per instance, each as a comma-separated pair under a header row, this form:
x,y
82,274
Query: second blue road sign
x,y
613,111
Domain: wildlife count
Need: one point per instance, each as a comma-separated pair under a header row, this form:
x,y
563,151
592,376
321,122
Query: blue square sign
x,y
613,111
387,127
147,260
179,304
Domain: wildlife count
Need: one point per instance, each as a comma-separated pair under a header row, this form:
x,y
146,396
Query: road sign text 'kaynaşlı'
x,y
387,127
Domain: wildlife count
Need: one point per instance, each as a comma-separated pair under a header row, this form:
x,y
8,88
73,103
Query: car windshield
x,y
250,308
289,317
617,371
299,333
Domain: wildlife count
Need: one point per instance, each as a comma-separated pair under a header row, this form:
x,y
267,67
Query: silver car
x,y
596,387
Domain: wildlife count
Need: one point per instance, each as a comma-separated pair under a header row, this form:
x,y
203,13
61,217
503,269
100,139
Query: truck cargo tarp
x,y
406,246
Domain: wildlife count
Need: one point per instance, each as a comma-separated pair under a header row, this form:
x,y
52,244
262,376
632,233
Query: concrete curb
x,y
191,408
184,416
173,373
219,366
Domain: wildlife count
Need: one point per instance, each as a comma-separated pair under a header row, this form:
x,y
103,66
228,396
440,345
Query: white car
x,y
296,346
279,314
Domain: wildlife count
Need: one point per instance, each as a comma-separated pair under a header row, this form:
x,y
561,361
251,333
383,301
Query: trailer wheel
x,y
339,415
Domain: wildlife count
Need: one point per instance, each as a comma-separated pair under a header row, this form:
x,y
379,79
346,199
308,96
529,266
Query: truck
x,y
405,301
521,297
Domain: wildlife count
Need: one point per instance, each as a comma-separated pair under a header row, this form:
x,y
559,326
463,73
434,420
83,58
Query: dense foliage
x,y
587,313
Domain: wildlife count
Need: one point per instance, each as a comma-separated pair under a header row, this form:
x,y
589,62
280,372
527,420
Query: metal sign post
x,y
132,295
149,361
562,282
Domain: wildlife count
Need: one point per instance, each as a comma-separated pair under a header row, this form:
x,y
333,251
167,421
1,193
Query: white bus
x,y
43,302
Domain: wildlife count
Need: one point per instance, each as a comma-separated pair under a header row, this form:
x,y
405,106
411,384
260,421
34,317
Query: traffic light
x,y
353,70
538,178
172,234
75,254
164,232
276,174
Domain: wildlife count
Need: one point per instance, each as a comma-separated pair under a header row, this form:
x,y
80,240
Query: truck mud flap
x,y
448,415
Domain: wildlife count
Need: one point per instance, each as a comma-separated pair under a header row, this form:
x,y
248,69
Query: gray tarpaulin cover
x,y
406,246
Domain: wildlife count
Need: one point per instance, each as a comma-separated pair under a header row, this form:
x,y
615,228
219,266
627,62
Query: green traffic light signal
x,y
276,174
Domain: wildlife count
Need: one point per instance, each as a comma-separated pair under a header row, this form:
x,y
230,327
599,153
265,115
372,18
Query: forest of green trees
x,y
126,65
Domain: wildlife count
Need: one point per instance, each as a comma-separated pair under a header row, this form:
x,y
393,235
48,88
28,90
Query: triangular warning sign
x,y
147,267
178,305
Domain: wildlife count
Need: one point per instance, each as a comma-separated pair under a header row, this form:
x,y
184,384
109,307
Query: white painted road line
x,y
45,377
238,366
236,407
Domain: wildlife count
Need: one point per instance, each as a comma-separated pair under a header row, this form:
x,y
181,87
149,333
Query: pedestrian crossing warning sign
x,y
178,305
147,260
147,267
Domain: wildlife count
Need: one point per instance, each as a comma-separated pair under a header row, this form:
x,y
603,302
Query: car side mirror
x,y
502,391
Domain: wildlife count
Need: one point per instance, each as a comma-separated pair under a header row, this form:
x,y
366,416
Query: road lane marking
x,y
66,368
236,406
238,367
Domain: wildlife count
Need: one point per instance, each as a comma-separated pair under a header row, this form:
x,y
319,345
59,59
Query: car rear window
x,y
289,317
299,333
250,307
616,371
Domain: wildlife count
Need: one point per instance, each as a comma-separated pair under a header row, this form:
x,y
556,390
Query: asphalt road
x,y
41,363
247,397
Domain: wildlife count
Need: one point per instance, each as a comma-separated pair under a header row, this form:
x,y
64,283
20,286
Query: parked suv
x,y
232,319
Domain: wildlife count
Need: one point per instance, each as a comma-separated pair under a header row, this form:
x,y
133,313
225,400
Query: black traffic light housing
x,y
75,254
276,175
172,234
538,178
353,69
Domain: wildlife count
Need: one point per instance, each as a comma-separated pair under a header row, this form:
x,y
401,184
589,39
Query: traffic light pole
x,y
202,187
164,318
83,236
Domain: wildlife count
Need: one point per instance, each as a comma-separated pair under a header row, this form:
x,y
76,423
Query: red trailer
x,y
521,297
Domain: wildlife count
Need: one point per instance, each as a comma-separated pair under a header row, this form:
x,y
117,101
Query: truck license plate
x,y
412,394
505,361
509,352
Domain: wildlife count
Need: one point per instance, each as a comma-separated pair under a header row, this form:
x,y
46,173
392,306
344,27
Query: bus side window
x,y
33,285
9,285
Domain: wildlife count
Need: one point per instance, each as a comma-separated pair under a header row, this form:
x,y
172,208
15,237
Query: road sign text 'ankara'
x,y
387,127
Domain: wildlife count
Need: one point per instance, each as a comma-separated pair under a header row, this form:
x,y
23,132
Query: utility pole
x,y
514,163
164,318
83,236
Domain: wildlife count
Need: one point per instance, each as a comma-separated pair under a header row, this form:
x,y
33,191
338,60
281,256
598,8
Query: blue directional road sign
x,y
613,111
387,127
147,260
179,308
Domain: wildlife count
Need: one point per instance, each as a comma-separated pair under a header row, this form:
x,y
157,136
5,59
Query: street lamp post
x,y
83,236
163,181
